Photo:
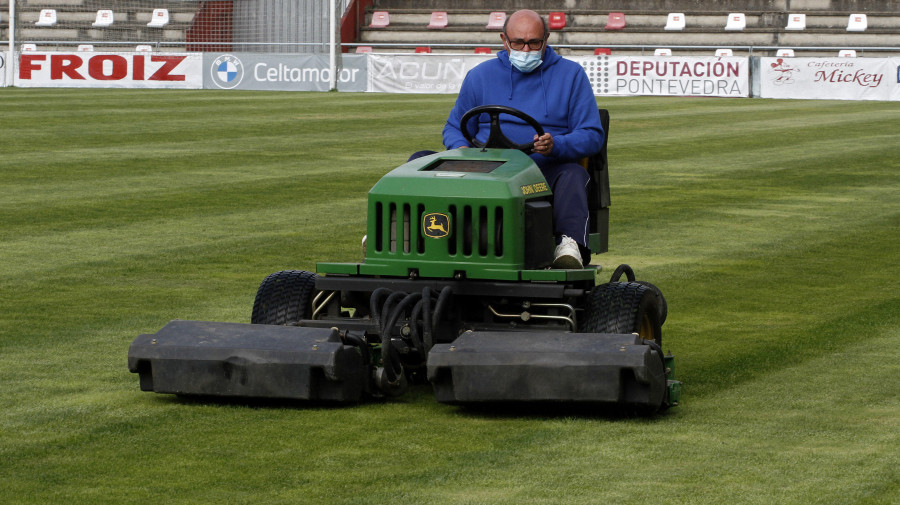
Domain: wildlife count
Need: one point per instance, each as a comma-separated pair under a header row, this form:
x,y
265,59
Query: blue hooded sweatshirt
x,y
557,95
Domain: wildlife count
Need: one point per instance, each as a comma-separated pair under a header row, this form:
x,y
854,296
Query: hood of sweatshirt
x,y
518,79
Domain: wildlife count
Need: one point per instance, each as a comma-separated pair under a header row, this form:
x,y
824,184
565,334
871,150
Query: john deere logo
x,y
436,225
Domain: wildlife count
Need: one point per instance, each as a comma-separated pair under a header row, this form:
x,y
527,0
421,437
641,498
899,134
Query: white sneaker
x,y
567,255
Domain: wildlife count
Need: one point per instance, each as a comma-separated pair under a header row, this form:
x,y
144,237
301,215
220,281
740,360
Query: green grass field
x,y
773,227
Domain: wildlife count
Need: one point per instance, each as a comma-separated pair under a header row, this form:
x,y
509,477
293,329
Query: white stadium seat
x,y
785,53
724,52
796,22
663,51
847,53
85,47
104,18
29,47
857,23
736,21
675,21
159,18
47,18
142,48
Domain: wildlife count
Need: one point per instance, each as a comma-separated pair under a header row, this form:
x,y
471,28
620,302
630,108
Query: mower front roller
x,y
591,368
249,360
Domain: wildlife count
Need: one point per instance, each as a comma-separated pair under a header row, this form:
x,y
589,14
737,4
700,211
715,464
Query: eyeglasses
x,y
518,45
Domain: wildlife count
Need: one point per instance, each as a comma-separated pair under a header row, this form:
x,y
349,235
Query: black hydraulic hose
x,y
395,314
392,366
387,307
622,269
361,343
389,325
415,329
439,307
426,312
374,306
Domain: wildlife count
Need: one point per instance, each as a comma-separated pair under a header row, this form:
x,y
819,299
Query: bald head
x,y
525,30
524,21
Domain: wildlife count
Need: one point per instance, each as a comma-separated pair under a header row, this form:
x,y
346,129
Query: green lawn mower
x,y
454,289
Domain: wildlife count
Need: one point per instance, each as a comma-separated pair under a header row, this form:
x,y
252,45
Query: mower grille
x,y
474,230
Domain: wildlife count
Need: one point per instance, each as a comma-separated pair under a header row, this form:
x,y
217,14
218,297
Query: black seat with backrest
x,y
598,193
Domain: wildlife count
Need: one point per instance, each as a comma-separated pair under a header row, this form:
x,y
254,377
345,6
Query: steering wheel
x,y
496,138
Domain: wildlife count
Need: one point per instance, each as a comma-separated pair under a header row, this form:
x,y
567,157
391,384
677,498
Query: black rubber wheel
x,y
660,299
660,302
623,307
284,298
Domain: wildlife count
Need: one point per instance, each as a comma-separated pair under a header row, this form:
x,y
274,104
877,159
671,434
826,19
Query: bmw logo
x,y
227,71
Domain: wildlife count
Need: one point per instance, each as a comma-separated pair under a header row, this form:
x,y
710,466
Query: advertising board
x,y
282,72
420,73
830,78
667,75
109,70
664,76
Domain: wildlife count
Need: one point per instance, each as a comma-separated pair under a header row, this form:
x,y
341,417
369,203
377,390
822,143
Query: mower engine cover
x,y
465,213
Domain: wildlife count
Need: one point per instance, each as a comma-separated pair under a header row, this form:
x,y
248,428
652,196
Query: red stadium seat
x,y
438,20
557,20
380,19
482,50
602,50
423,49
616,21
363,49
496,20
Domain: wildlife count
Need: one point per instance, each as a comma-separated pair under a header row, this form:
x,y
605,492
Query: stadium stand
x,y
768,23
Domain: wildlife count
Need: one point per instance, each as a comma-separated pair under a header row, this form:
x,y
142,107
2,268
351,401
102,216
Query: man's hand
x,y
543,144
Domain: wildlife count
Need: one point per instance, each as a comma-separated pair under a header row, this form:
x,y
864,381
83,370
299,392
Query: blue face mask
x,y
525,61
